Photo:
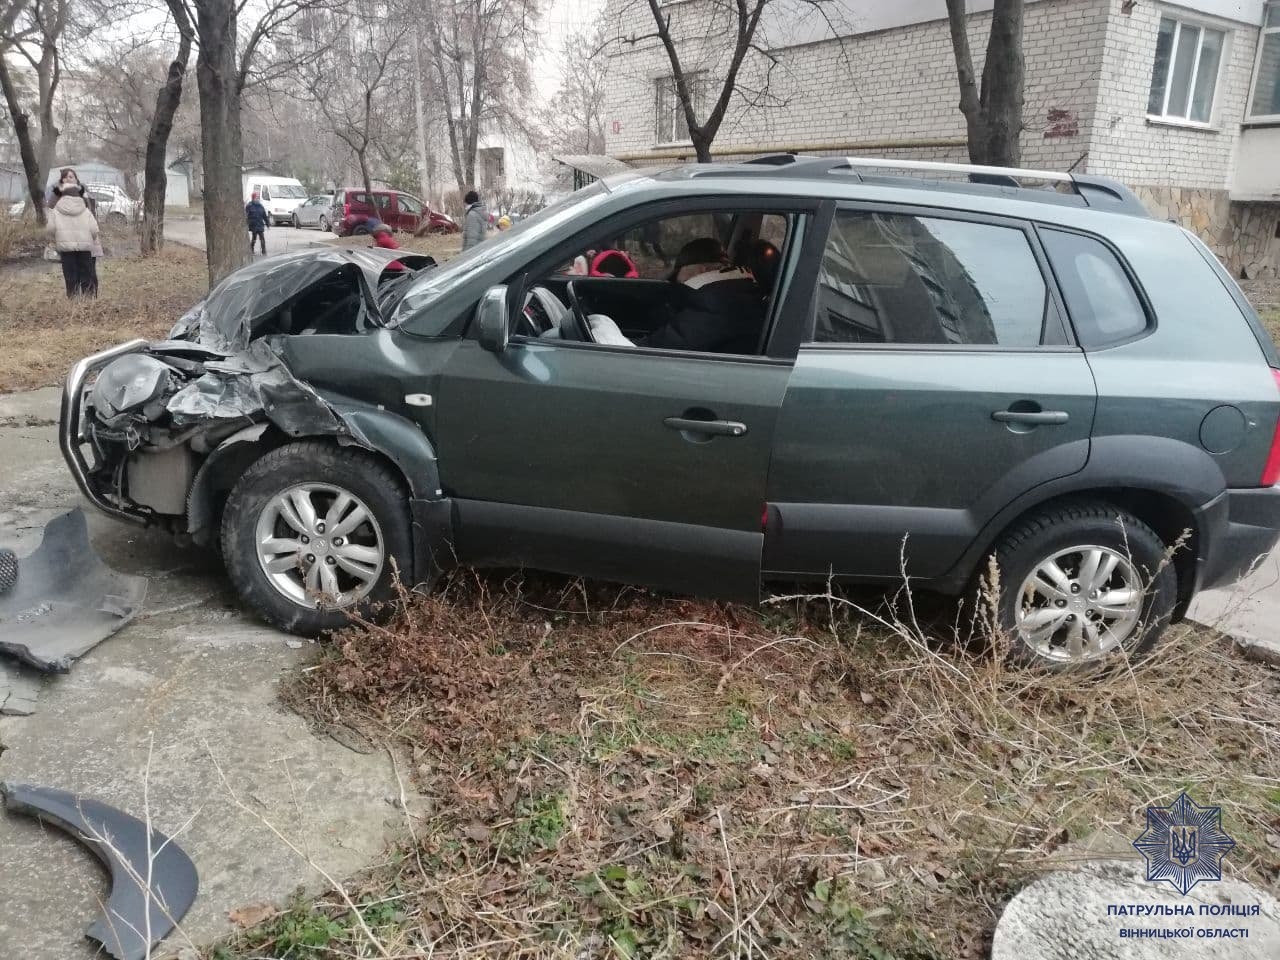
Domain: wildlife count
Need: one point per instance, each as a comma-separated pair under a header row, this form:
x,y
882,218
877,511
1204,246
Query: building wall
x,y
890,86
1126,145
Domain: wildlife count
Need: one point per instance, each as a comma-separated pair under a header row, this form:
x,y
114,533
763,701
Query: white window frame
x,y
699,79
1267,11
1163,118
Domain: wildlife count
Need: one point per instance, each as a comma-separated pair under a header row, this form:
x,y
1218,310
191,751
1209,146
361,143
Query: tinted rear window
x,y
1100,297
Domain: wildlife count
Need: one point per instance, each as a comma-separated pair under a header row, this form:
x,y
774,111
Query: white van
x,y
280,195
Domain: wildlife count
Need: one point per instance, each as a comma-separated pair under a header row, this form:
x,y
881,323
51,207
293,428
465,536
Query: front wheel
x,y
312,531
324,224
1081,583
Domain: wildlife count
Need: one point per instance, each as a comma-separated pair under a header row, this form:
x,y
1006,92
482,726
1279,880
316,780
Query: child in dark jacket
x,y
255,215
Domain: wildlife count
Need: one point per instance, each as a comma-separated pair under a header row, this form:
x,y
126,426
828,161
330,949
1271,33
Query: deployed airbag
x,y
65,600
138,914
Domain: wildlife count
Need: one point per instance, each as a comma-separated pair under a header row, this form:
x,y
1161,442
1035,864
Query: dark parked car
x,y
353,208
929,373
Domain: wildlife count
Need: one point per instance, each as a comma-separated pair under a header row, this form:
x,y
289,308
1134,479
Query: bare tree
x,y
168,99
351,85
708,72
479,52
575,116
33,31
992,112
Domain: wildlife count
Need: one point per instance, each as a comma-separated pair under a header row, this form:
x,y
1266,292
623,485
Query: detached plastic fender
x,y
121,843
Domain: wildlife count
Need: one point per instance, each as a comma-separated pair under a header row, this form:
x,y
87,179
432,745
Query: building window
x,y
671,126
1188,58
1264,104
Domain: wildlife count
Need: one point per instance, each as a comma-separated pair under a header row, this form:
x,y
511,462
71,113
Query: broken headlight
x,y
135,383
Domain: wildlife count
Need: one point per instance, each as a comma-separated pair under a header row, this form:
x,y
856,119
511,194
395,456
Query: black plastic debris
x,y
138,914
66,600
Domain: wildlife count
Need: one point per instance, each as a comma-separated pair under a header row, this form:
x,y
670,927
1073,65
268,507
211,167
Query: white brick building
x,y
1181,101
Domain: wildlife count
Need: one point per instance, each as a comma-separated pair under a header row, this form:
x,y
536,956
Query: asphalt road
x,y
279,239
191,682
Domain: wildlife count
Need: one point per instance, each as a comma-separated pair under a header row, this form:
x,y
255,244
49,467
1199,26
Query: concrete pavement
x,y
1249,611
191,682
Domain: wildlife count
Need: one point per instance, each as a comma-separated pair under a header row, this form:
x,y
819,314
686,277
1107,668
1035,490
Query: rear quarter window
x,y
1101,300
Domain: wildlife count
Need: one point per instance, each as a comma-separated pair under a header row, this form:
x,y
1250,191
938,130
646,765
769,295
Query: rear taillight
x,y
346,210
1271,472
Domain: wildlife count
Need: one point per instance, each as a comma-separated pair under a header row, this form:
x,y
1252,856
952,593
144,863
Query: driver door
x,y
627,464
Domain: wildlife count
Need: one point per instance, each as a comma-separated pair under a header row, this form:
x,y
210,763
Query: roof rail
x,y
1097,192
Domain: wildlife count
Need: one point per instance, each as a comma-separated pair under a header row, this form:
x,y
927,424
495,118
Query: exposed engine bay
x,y
155,411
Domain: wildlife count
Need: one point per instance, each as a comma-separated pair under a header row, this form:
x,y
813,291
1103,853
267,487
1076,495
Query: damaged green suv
x,y
717,376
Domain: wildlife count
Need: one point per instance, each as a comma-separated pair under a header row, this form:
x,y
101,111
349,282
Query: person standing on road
x,y
255,215
476,222
75,235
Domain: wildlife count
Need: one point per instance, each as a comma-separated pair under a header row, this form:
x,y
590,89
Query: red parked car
x,y
402,212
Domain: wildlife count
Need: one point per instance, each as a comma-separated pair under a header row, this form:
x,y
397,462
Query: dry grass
x,y
440,246
19,238
44,332
615,774
1271,320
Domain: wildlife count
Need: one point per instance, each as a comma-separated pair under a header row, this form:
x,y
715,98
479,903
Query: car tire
x,y
323,224
1119,605
360,230
258,513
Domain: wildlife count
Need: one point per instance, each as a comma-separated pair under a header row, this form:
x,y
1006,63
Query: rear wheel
x,y
312,532
1082,583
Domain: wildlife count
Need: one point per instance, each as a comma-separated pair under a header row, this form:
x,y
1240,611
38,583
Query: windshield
x,y
431,284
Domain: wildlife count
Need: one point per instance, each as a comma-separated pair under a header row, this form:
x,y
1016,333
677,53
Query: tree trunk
x,y
216,78
362,158
420,118
47,78
1002,81
22,130
993,114
155,177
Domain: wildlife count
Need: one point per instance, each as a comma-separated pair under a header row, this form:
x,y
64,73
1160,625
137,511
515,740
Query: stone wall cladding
x,y
1243,235
1125,145
892,85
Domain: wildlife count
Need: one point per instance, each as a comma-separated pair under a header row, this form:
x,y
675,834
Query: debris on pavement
x,y
139,912
65,600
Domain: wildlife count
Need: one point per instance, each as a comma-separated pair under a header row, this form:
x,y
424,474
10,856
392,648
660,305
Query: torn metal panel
x,y
236,310
139,913
66,600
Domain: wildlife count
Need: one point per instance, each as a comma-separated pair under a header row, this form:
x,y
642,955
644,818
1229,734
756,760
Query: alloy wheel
x,y
320,545
1081,603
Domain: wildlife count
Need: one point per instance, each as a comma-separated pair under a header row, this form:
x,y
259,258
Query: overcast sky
x,y
563,18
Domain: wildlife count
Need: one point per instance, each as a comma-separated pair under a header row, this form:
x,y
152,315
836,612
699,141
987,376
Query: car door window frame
x,y
1054,303
779,349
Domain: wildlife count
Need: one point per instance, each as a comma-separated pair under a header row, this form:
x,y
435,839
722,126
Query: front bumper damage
x,y
139,420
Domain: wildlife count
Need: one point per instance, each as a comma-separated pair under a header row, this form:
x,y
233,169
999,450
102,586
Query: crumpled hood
x,y
230,316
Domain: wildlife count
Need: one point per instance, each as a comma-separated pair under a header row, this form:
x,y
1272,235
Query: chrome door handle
x,y
1036,417
712,428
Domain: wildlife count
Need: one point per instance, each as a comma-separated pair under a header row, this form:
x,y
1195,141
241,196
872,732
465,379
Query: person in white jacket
x,y
75,236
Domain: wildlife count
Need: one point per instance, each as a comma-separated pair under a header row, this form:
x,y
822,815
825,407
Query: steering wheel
x,y
581,328
534,316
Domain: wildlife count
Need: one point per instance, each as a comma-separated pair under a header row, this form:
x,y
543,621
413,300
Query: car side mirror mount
x,y
492,318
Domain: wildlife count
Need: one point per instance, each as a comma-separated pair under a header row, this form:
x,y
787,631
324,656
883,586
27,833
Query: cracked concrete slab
x,y
19,690
191,681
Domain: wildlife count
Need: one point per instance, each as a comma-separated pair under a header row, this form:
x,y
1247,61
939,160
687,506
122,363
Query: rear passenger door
x,y
936,383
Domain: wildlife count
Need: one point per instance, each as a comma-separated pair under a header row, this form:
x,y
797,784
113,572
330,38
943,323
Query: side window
x,y
897,278
1102,302
359,198
383,200
266,192
408,204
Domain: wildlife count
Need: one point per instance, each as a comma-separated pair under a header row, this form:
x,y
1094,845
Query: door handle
x,y
1031,417
711,428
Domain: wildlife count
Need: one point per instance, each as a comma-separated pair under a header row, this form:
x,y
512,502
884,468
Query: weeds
x,y
614,774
